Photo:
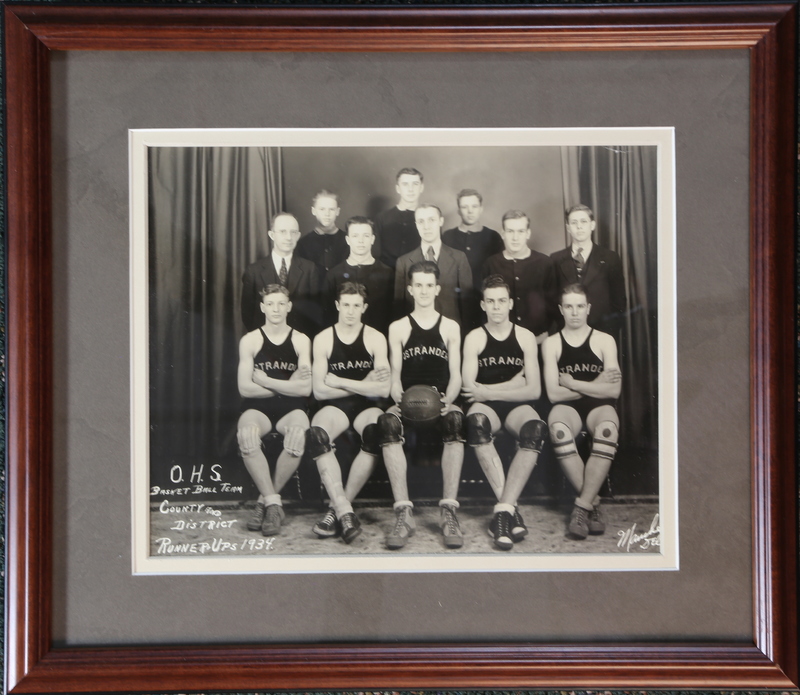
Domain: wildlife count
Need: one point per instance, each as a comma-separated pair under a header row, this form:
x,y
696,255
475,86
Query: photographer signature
x,y
640,541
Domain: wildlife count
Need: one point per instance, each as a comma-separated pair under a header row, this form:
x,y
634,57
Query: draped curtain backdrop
x,y
208,219
620,185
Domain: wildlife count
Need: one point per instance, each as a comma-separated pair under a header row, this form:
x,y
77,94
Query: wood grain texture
x,y
773,367
770,662
432,29
29,409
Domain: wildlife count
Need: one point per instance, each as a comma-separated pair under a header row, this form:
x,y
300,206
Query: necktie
x,y
429,255
579,259
283,276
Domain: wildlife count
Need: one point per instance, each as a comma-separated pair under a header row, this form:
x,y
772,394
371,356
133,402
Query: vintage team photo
x,y
423,350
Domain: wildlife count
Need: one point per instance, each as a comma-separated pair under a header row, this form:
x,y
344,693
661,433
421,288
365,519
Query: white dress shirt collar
x,y
276,260
437,247
586,249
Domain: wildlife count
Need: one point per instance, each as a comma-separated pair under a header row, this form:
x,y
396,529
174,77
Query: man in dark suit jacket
x,y
597,268
455,275
283,267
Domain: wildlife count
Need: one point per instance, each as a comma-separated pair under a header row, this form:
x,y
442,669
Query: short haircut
x,y
410,171
359,219
352,288
516,215
580,207
490,282
574,288
426,206
281,214
467,193
274,288
325,194
428,267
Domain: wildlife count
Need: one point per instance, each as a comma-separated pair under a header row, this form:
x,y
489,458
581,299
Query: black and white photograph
x,y
403,350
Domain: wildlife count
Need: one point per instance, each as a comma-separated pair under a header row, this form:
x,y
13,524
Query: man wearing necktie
x,y
283,267
597,268
455,275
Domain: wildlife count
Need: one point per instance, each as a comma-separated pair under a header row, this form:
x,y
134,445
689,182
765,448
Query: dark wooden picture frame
x,y
768,32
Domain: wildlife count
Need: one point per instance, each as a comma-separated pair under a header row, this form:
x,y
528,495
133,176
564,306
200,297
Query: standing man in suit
x,y
283,267
395,228
597,268
455,275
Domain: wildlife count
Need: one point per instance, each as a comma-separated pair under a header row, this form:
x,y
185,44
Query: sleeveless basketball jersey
x,y
276,361
350,361
425,357
500,360
584,365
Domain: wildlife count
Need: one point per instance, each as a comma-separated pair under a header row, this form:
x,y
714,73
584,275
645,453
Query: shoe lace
x,y
258,511
517,519
273,514
329,519
503,524
451,521
400,521
581,515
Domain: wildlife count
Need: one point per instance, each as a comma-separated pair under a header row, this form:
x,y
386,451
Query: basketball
x,y
421,404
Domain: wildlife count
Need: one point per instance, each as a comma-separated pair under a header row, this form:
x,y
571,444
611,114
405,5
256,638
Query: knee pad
x,y
453,426
563,441
317,442
390,430
531,435
604,442
479,429
370,439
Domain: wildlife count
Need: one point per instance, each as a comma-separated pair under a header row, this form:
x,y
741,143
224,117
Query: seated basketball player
x,y
351,381
424,348
274,379
583,381
501,381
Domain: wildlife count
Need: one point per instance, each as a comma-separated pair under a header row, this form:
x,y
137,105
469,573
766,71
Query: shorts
x,y
584,406
276,407
504,408
351,406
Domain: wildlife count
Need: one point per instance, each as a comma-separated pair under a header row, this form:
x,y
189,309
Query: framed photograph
x,y
161,160
191,504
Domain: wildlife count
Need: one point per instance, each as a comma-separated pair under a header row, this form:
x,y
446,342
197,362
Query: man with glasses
x,y
283,267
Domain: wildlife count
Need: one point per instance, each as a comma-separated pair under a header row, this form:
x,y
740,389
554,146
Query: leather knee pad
x,y
479,429
370,439
563,441
390,429
604,442
531,435
453,426
317,442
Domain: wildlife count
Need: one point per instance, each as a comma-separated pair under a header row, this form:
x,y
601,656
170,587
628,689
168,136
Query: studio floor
x,y
188,529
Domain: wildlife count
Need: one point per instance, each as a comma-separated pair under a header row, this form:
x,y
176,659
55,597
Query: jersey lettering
x,y
277,365
350,364
581,368
419,350
500,362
